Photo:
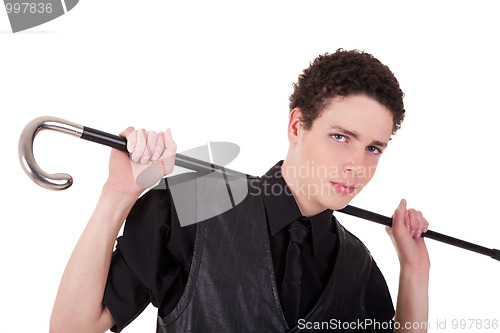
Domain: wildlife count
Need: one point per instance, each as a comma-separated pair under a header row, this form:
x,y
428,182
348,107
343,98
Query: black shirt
x,y
152,259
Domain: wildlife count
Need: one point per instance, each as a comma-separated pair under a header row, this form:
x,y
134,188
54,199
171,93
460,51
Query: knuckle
x,y
152,137
142,132
127,131
158,149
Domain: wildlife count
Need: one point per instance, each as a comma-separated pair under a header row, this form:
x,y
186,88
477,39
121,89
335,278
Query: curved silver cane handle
x,y
59,181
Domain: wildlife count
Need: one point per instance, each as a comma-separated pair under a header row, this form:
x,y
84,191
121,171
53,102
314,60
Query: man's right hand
x,y
152,156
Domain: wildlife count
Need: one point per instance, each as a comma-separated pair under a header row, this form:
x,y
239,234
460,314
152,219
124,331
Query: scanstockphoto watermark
x,y
314,180
360,324
28,14
310,169
467,324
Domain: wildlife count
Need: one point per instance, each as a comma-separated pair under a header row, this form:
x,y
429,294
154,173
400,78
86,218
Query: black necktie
x,y
292,279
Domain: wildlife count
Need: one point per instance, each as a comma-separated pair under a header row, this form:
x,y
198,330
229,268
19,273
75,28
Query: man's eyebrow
x,y
356,136
379,143
346,131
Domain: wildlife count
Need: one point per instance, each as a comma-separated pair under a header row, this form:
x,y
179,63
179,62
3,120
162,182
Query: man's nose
x,y
353,164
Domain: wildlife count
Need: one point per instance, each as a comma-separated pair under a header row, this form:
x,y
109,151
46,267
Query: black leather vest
x,y
232,288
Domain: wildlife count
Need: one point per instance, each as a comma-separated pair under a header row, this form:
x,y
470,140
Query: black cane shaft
x,y
381,219
103,138
367,215
120,143
458,242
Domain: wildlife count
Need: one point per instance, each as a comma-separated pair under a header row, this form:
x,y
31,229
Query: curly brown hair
x,y
346,73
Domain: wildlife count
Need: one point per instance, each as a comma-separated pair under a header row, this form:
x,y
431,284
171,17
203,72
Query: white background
x,y
223,71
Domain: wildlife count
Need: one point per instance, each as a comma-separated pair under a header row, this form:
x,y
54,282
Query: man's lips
x,y
344,188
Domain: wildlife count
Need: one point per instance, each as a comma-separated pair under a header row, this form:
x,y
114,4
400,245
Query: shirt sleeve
x,y
379,306
130,285
125,296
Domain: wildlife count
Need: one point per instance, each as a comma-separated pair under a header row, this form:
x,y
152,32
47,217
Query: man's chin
x,y
338,202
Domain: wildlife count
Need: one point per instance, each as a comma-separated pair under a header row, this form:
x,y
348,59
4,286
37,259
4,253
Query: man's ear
x,y
295,125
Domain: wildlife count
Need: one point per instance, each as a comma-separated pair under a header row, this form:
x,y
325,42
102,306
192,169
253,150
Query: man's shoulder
x,y
353,238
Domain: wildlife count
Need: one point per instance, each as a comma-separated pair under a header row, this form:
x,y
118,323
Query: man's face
x,y
340,152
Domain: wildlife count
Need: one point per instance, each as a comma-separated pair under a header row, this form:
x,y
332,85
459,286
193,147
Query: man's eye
x,y
374,150
339,137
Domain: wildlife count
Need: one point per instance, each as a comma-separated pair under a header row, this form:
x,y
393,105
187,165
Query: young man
x,y
278,261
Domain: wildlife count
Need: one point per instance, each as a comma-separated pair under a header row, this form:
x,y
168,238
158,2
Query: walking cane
x,y
63,181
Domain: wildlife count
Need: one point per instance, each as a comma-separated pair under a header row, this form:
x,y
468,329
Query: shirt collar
x,y
282,209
